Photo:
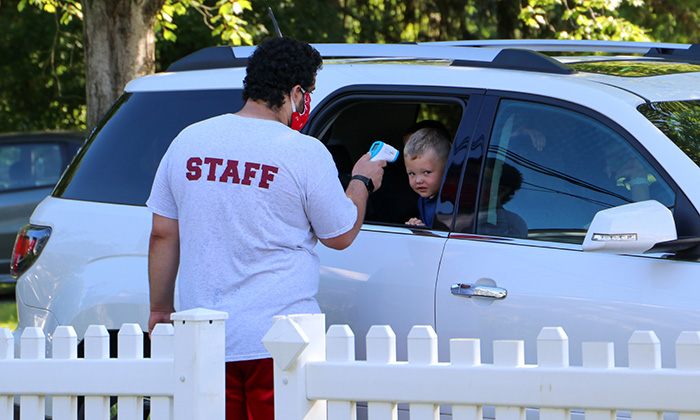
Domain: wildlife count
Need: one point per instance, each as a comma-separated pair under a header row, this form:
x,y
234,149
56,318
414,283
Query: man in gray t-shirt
x,y
239,202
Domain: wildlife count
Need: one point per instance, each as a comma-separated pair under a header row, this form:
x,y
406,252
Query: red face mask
x,y
299,120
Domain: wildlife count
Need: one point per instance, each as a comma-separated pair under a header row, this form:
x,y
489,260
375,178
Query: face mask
x,y
299,120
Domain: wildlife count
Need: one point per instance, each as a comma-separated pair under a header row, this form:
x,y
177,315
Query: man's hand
x,y
372,170
158,318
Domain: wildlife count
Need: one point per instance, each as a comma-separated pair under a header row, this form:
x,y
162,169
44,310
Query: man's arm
x,y
357,192
163,262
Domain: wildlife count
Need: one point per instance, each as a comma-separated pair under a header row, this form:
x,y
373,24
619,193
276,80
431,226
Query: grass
x,y
8,315
8,308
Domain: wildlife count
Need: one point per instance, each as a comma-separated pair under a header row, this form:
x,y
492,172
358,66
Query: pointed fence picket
x,y
313,370
184,377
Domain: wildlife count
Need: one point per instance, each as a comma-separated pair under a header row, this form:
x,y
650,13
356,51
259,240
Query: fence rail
x,y
317,376
184,377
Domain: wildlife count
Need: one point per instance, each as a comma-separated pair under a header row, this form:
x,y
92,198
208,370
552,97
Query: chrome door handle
x,y
474,290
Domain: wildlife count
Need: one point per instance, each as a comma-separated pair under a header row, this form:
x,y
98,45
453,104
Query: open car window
x,y
354,127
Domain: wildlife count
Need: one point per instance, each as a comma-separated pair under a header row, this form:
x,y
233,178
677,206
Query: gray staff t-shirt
x,y
251,196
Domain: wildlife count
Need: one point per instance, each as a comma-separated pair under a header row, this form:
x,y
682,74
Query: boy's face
x,y
425,174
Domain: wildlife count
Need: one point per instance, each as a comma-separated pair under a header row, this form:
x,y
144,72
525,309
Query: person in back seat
x,y
425,156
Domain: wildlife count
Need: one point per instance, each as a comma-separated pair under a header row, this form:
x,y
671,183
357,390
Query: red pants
x,y
249,390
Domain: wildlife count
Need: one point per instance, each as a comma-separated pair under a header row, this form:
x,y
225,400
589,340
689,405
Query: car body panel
x,y
17,201
594,297
94,267
87,274
373,280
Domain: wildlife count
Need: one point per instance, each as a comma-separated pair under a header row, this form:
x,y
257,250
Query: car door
x,y
545,171
387,276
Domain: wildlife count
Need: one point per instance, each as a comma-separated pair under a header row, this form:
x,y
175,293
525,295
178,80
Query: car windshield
x,y
119,160
680,121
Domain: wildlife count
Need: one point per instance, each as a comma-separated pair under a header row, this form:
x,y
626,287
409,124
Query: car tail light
x,y
31,240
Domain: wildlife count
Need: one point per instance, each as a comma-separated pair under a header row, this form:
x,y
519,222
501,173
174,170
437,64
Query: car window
x,y
352,130
119,160
679,121
29,166
548,170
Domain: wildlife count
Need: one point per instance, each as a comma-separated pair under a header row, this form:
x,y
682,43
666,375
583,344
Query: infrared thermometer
x,y
382,151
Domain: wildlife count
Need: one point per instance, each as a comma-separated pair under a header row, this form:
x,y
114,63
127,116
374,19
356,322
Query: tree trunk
x,y
119,43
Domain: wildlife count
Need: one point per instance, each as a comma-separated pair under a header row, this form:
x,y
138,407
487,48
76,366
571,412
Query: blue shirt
x,y
426,208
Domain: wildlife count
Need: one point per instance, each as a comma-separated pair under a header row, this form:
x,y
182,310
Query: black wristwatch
x,y
367,181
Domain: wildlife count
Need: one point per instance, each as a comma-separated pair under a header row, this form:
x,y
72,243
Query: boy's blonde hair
x,y
427,139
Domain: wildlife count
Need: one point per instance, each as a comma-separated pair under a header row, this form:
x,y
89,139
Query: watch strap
x,y
367,181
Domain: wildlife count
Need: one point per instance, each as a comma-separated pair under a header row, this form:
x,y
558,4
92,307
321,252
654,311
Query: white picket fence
x,y
317,376
184,377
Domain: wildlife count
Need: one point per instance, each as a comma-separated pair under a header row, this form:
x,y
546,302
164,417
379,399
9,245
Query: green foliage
x,y
667,21
8,314
42,68
221,17
580,19
42,80
390,21
680,122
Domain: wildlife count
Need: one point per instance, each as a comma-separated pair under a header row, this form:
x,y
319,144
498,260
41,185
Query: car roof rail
x,y
482,54
691,54
516,59
231,57
563,45
209,58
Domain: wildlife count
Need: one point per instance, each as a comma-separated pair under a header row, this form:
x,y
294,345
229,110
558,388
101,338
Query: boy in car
x,y
425,156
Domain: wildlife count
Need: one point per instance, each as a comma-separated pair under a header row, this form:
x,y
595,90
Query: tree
x,y
125,39
119,38
42,82
669,21
581,19
440,20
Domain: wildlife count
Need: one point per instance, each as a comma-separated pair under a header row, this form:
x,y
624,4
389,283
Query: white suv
x,y
599,151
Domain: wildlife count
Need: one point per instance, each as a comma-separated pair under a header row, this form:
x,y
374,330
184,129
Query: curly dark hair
x,y
276,66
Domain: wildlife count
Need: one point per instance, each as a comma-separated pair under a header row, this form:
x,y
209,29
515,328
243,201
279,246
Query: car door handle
x,y
476,290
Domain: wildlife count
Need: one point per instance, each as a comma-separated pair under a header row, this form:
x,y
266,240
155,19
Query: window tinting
x,y
119,161
680,121
549,170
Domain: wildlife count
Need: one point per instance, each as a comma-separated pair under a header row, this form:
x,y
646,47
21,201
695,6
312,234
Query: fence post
x,y
688,358
130,346
381,348
33,346
466,352
422,350
200,376
509,353
65,347
553,351
293,341
162,340
96,348
645,353
7,351
340,347
598,355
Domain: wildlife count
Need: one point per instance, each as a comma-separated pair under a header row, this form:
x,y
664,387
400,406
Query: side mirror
x,y
630,229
